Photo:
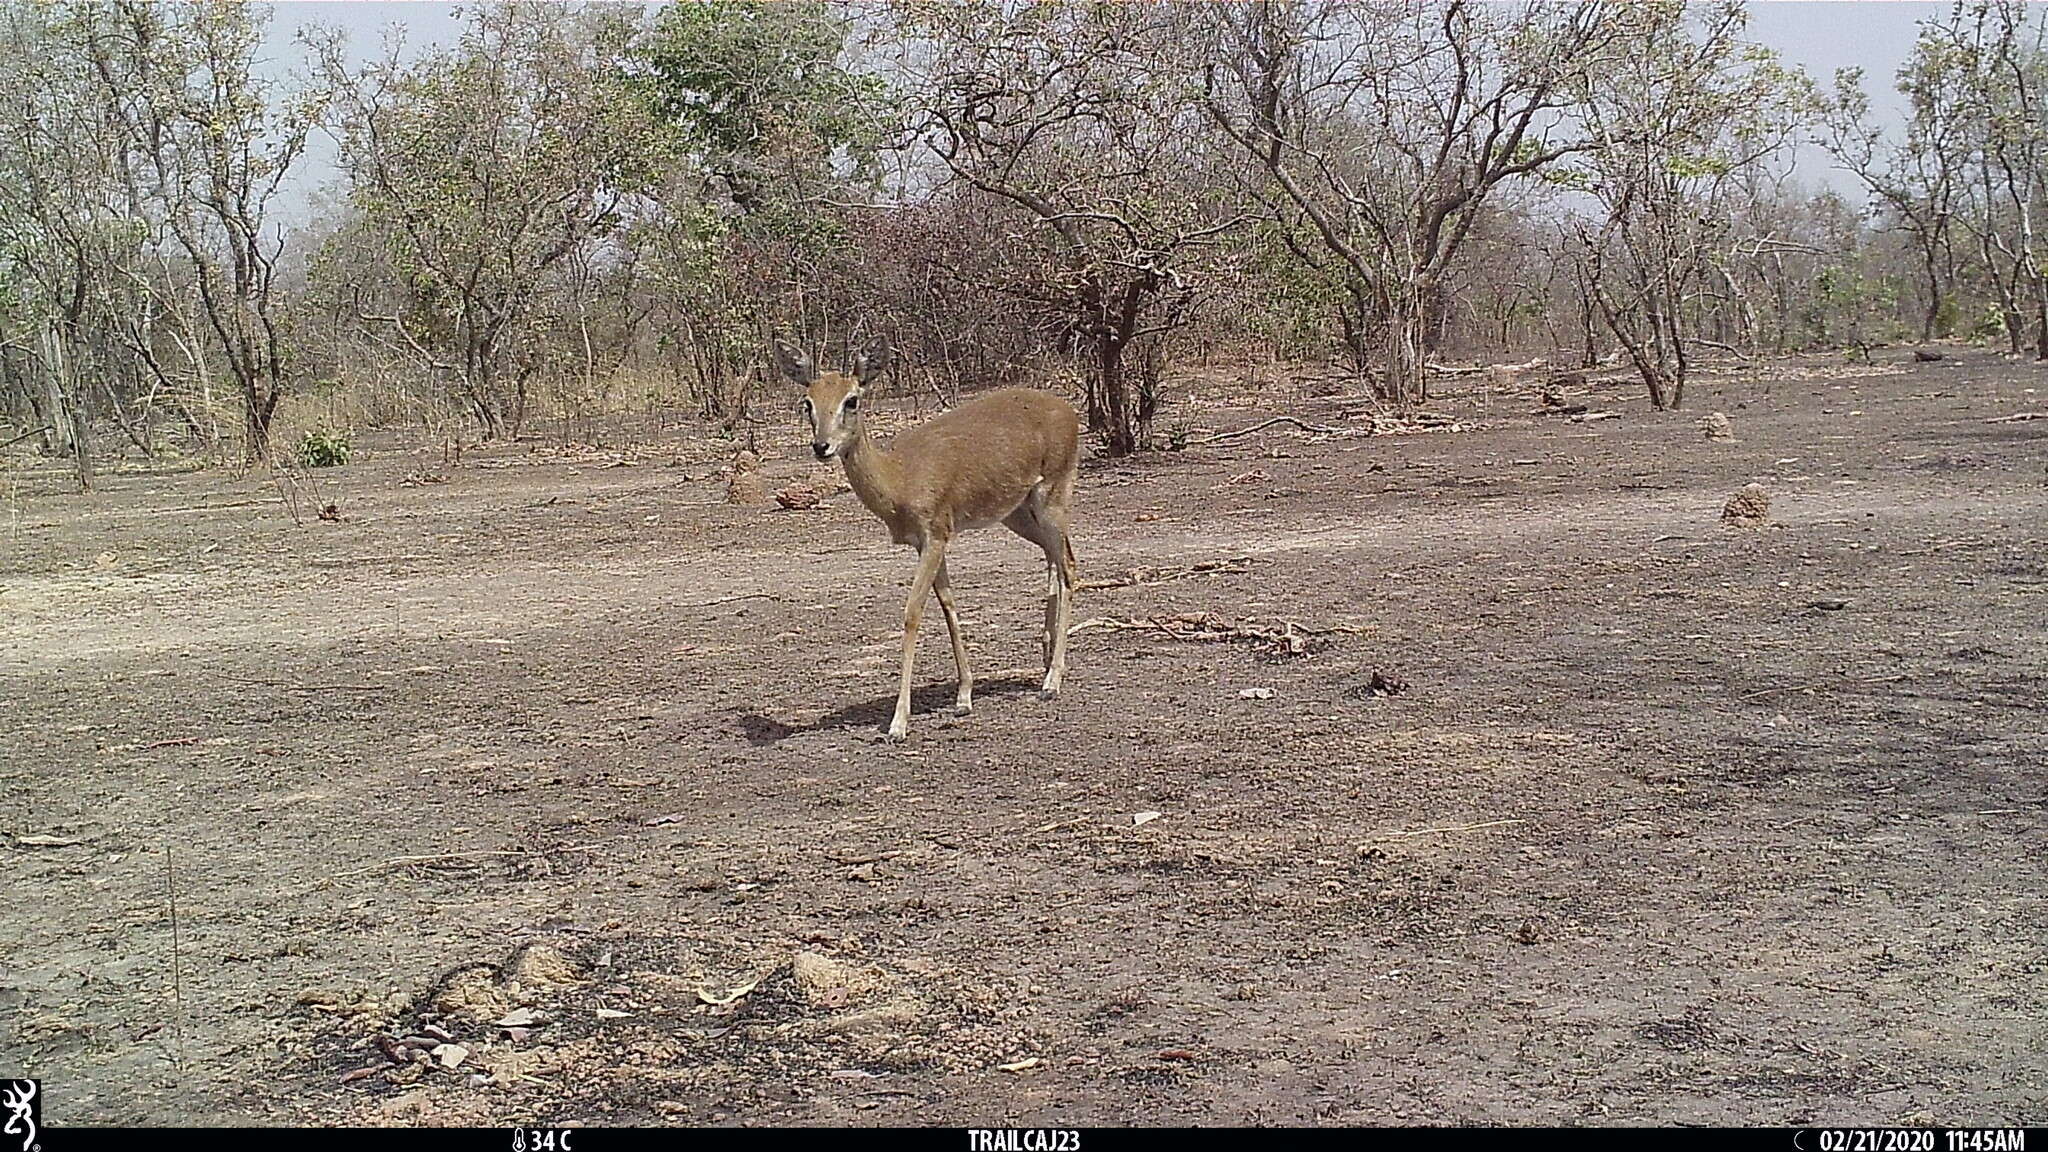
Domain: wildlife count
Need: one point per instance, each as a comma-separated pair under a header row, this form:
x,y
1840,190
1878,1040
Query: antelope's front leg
x,y
929,558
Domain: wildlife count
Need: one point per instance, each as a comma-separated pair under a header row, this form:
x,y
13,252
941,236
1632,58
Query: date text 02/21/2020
x,y
1920,1140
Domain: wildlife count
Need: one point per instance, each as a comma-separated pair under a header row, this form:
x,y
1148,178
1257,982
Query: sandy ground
x,y
575,762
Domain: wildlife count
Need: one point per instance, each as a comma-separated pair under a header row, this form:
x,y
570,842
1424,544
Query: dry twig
x,y
1286,638
1318,429
1141,575
404,861
1446,829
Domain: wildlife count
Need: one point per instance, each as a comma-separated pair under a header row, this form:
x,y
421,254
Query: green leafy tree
x,y
483,170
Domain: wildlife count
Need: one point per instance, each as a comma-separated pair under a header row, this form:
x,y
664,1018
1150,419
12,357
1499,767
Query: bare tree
x,y
482,169
207,146
1675,136
1919,181
1385,128
1071,118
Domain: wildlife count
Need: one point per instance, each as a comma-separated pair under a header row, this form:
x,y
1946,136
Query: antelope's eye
x,y
804,405
853,403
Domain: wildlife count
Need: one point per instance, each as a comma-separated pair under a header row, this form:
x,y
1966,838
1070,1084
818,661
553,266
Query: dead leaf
x,y
720,1001
1019,1065
1143,818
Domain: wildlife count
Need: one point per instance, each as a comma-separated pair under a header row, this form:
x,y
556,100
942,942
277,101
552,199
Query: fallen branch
x,y
1287,638
1443,830
734,600
1945,545
1318,429
24,436
1138,576
1460,370
2017,417
404,861
291,687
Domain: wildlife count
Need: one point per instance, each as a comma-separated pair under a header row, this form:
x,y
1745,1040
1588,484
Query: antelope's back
x,y
981,458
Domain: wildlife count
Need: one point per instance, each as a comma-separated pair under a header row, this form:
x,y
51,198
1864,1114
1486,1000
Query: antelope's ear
x,y
870,364
795,365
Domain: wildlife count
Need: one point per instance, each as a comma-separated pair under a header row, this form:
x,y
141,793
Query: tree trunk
x,y
1933,316
1115,406
1401,378
68,406
258,410
2040,318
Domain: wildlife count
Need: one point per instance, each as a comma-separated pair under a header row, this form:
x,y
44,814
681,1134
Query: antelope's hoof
x,y
899,730
963,707
1049,692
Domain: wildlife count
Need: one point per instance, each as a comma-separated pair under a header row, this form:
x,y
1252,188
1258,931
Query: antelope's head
x,y
831,400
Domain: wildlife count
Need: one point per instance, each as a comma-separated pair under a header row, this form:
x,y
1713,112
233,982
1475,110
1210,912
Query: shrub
x,y
323,449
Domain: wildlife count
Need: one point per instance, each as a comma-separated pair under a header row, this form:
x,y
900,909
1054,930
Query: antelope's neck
x,y
876,479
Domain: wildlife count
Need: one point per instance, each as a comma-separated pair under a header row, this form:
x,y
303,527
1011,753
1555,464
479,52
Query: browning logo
x,y
21,1107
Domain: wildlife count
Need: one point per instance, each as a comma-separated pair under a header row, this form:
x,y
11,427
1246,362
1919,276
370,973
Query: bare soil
x,y
1649,818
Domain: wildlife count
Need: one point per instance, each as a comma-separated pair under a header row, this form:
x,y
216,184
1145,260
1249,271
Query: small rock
x,y
1255,694
471,995
1928,355
450,1055
747,490
1385,683
1750,505
1143,818
1715,425
692,879
798,497
543,965
828,983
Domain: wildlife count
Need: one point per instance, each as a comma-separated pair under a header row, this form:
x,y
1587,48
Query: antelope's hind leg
x,y
963,701
1038,523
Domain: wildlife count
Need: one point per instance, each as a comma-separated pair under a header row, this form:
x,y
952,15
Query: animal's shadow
x,y
932,701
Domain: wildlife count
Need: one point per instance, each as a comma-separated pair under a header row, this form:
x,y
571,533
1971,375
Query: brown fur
x,y
1006,457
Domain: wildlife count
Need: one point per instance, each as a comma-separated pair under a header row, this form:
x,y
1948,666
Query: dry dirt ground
x,y
578,764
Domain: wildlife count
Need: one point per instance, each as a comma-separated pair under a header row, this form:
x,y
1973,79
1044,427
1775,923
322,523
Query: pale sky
x,y
1820,36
